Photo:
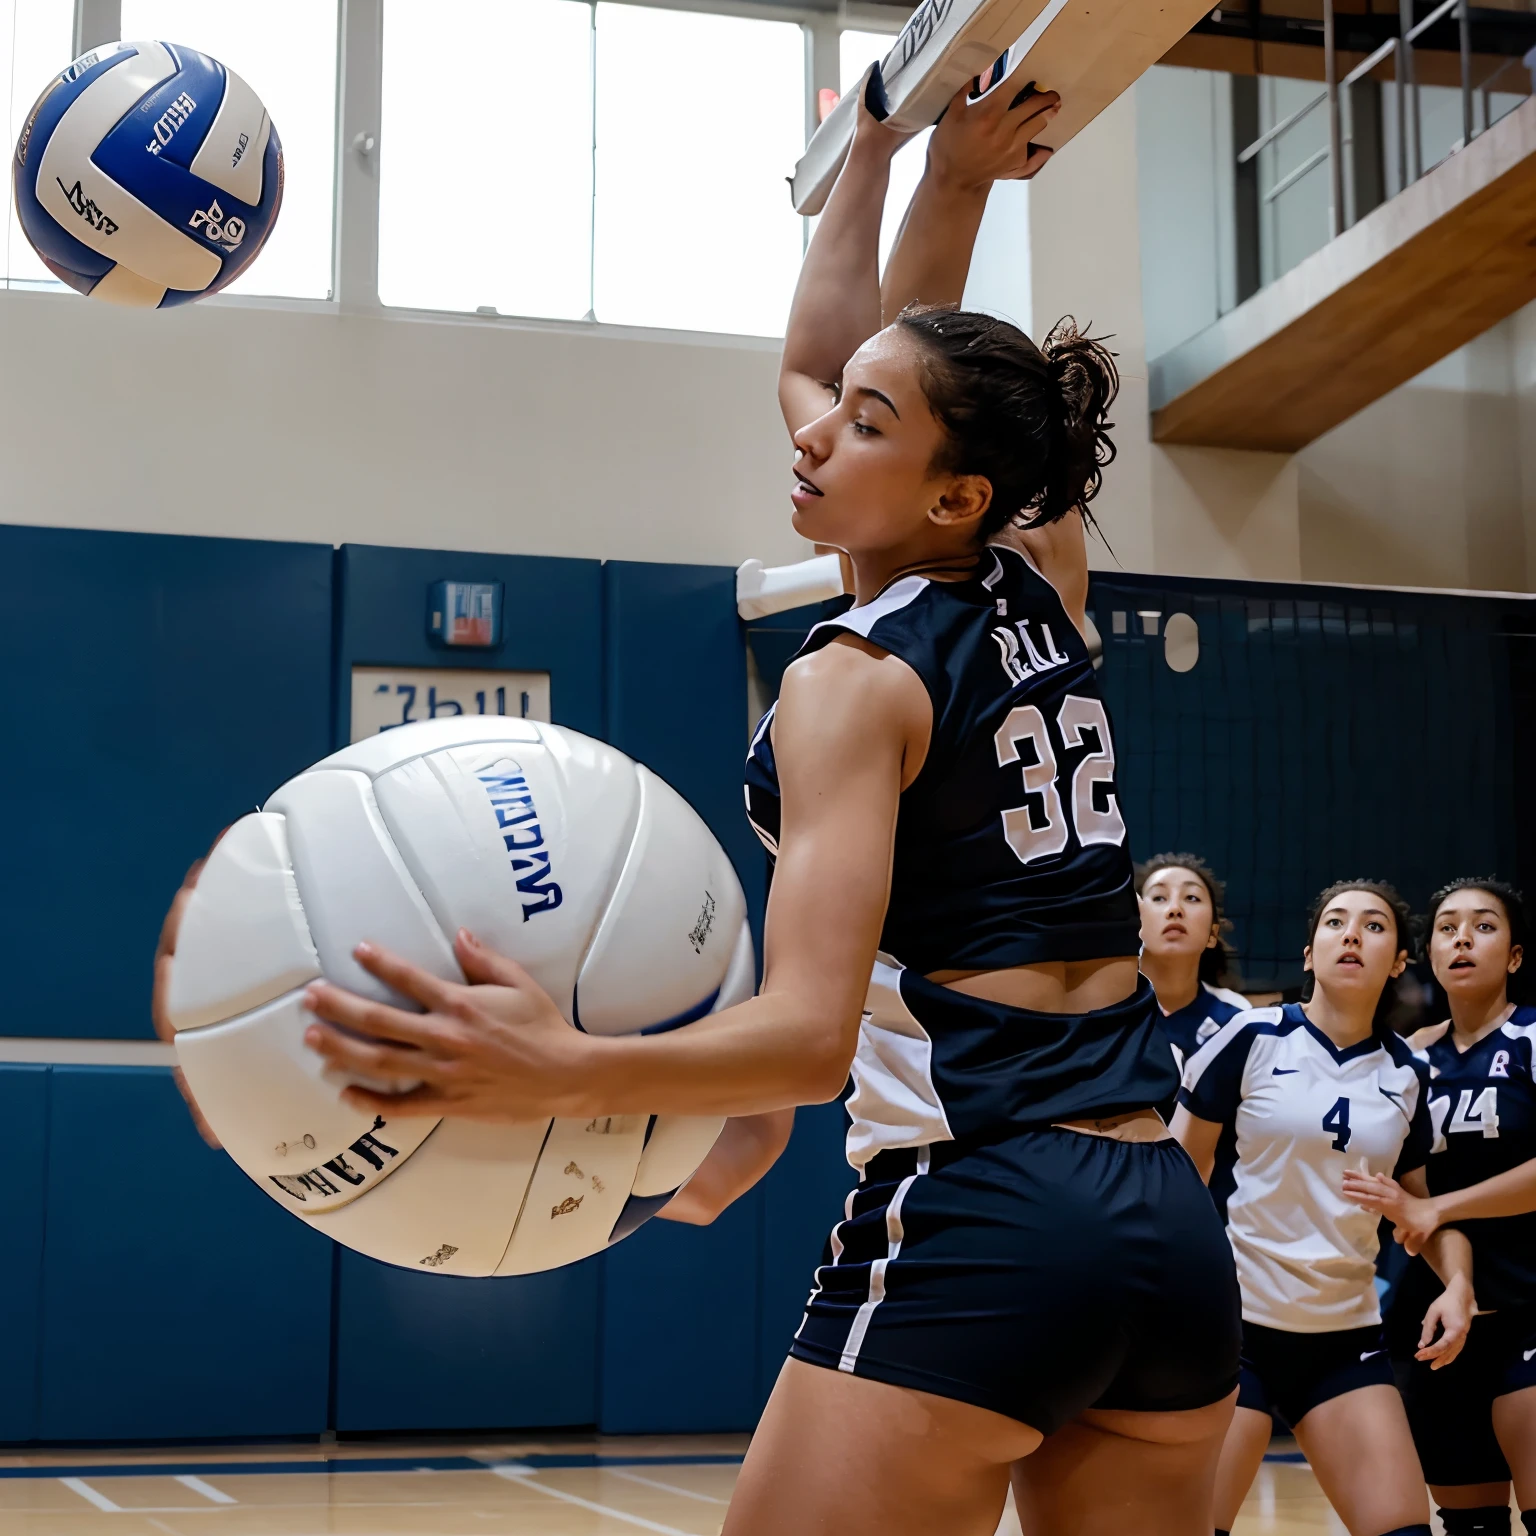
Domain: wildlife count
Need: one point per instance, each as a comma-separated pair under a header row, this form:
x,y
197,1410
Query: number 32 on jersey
x,y
1038,828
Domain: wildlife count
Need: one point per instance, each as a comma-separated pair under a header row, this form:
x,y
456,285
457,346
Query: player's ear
x,y
1399,965
1306,958
1516,958
965,500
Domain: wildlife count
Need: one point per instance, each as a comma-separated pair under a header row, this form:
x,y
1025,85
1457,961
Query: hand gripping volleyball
x,y
147,174
554,849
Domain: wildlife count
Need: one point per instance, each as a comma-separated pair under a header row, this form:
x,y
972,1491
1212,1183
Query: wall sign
x,y
384,697
464,613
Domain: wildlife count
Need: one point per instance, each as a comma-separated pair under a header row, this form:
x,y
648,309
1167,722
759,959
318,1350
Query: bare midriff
x,y
1066,986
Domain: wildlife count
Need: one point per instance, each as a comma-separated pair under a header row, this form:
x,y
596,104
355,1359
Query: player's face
x,y
1355,947
1177,917
864,470
1470,946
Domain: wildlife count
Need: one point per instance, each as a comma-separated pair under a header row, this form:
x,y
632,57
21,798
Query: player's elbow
x,y
822,1071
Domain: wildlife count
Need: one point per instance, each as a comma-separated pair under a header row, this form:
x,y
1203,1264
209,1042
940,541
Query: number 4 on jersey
x,y
1040,831
1337,1121
1479,1114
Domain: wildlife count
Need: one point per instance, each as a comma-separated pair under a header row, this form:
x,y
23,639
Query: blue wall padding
x,y
178,1300
420,1351
1325,733
681,1305
680,1324
429,1351
552,622
802,1199
677,694
24,1114
167,685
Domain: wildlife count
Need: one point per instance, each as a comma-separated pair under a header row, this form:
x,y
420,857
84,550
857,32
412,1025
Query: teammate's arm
x,y
1198,1137
836,307
748,1147
1448,1320
850,732
1415,1214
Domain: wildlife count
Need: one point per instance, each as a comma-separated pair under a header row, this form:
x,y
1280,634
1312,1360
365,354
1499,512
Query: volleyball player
x,y
1309,1090
1029,1263
1475,1422
1184,952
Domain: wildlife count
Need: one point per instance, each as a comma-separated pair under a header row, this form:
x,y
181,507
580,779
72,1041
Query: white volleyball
x,y
556,850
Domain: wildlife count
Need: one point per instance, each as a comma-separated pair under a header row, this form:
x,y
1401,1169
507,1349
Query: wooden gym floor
x,y
571,1486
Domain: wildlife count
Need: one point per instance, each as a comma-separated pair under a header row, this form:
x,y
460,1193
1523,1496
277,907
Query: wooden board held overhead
x,y
1089,50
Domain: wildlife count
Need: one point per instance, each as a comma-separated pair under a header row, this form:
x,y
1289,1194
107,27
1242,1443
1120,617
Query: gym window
x,y
617,192
285,50
35,37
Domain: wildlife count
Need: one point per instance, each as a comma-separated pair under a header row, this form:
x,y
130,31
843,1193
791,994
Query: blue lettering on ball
x,y
512,800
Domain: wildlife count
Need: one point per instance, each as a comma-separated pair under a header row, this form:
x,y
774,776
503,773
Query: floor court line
x,y
91,1495
651,1482
524,1475
208,1491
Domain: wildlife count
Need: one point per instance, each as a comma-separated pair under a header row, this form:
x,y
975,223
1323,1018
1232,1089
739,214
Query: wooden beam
x,y
1299,61
1410,283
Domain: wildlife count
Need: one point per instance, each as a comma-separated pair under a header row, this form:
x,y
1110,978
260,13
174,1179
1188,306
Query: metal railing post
x,y
1335,145
1465,20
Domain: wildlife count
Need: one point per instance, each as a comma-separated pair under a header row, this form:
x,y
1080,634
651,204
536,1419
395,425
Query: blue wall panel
x,y
420,1351
179,1301
552,622
168,684
427,1351
680,1325
677,692
681,1303
1313,741
24,1114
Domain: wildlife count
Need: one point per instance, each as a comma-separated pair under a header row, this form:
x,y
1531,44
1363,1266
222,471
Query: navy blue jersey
x,y
1189,1027
1010,847
1483,1103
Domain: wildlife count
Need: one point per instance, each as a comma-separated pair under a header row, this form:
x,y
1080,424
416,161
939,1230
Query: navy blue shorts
x,y
1036,1276
1451,1410
1291,1373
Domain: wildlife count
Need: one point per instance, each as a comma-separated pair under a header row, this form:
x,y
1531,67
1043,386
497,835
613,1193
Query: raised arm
x,y
975,144
836,307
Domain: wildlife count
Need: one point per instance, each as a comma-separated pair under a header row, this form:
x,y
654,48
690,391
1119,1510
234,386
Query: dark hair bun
x,y
1032,421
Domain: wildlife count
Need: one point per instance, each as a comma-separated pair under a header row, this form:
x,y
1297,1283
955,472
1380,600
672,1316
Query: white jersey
x,y
1299,1112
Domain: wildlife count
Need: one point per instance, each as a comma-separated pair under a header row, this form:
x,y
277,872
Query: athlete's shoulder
x,y
1521,1024
1402,1054
1222,1003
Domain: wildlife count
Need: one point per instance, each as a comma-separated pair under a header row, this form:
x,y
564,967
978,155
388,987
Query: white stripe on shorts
x,y
893,1235
836,1241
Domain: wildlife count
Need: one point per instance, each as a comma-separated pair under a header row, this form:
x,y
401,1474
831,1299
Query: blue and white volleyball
x,y
147,174
558,851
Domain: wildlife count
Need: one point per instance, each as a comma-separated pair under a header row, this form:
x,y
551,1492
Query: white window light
x,y
285,50
35,44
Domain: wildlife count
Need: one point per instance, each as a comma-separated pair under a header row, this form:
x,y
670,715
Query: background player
x,y
1475,1422
937,784
1184,953
1310,1089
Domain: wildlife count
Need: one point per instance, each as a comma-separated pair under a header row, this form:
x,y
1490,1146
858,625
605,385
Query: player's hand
x,y
1414,1221
979,142
871,134
496,1049
165,954
1446,1325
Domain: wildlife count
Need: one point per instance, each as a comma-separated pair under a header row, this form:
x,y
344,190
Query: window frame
x,y
359,100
